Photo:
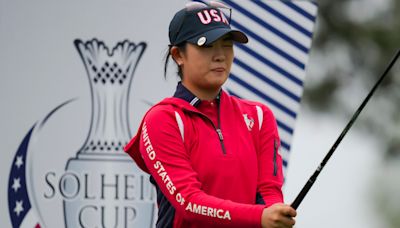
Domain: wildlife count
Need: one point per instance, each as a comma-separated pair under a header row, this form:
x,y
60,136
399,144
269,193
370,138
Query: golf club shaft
x,y
312,179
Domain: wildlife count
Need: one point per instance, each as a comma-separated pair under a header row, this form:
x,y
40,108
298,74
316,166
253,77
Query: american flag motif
x,y
22,212
19,206
271,68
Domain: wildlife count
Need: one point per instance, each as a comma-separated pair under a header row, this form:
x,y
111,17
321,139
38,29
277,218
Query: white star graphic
x,y
18,207
16,184
19,161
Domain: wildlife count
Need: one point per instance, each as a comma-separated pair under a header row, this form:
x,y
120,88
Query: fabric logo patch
x,y
249,122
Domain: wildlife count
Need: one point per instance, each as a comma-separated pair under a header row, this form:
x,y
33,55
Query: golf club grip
x,y
305,189
301,195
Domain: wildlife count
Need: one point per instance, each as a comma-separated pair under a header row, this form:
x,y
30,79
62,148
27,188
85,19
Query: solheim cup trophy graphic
x,y
105,188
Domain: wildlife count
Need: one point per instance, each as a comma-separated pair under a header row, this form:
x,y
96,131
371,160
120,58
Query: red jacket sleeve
x,y
269,161
167,160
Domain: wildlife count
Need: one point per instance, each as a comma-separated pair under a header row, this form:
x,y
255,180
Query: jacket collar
x,y
183,93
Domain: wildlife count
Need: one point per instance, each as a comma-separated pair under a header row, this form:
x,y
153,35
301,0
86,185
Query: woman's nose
x,y
219,54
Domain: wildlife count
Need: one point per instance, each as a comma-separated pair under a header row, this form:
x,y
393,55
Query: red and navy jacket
x,y
214,164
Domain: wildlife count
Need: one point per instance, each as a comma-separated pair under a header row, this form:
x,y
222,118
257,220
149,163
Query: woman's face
x,y
205,69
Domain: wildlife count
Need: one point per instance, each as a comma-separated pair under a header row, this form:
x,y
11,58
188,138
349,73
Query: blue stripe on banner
x,y
263,96
270,64
284,18
280,124
299,10
285,145
267,80
285,163
233,93
267,26
268,44
284,127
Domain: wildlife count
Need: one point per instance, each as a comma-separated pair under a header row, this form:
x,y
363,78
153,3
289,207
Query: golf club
x,y
312,179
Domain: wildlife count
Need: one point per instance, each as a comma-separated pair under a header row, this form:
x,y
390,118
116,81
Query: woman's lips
x,y
218,69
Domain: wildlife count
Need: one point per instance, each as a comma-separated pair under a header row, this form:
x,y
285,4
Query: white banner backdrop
x,y
77,77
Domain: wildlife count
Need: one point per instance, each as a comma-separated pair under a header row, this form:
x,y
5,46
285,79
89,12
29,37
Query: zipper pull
x,y
221,137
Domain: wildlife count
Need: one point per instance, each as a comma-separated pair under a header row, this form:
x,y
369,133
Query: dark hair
x,y
182,48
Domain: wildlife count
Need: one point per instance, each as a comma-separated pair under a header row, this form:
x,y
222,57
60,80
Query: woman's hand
x,y
278,215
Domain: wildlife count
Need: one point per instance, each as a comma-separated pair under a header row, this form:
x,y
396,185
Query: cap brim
x,y
215,34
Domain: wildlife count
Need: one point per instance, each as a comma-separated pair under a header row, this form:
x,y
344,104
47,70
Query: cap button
x,y
202,40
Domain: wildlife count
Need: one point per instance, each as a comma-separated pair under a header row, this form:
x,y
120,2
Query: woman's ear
x,y
176,55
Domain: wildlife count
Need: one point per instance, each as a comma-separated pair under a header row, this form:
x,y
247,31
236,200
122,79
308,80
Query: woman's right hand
x,y
278,215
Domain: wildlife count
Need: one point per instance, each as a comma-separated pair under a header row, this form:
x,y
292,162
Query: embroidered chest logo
x,y
249,122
